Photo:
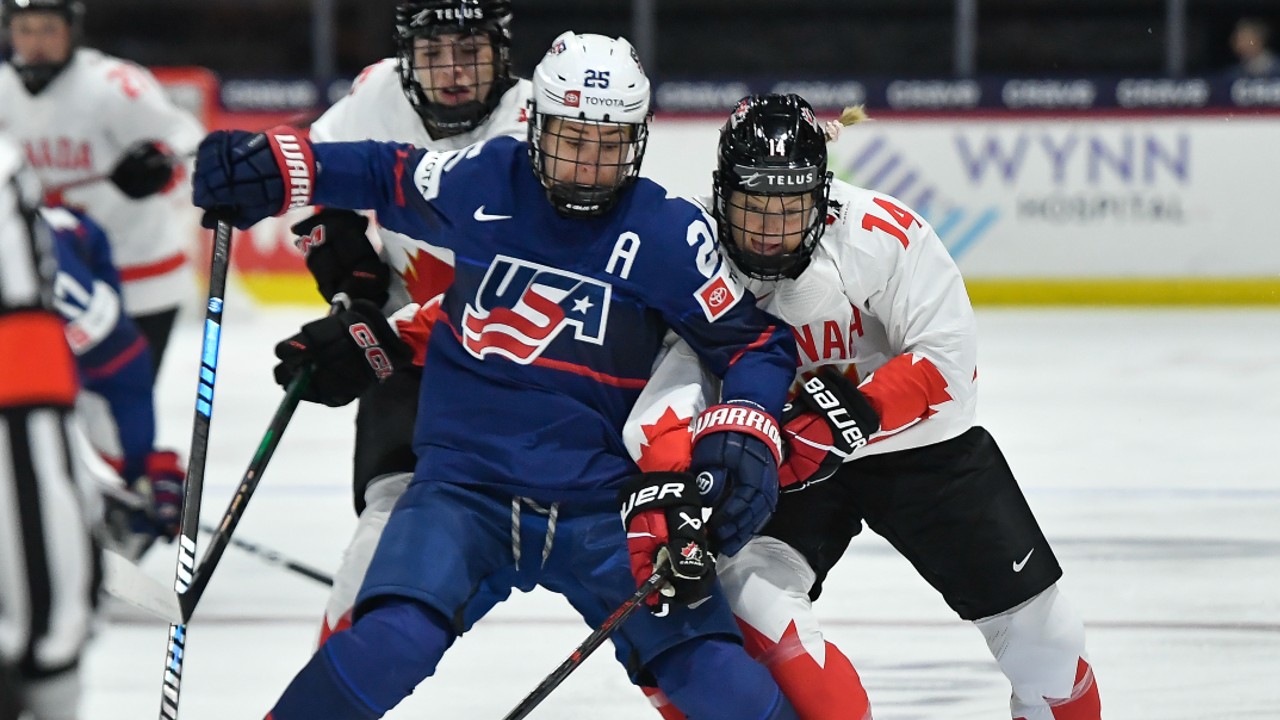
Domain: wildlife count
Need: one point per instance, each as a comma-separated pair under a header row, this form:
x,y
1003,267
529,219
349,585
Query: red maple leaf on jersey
x,y
904,390
426,276
667,445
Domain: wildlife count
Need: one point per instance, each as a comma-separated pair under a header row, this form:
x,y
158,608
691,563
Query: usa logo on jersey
x,y
520,307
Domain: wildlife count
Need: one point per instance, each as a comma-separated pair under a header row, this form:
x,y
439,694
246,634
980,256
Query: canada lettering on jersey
x,y
828,339
521,306
60,153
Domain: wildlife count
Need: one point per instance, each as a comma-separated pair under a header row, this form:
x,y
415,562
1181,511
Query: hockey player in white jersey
x,y
449,86
48,563
80,115
882,430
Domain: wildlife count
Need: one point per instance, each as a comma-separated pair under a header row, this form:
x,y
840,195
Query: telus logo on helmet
x,y
799,179
447,14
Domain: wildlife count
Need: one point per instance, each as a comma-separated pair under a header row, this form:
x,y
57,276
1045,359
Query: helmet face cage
x,y
771,186
585,164
36,76
461,49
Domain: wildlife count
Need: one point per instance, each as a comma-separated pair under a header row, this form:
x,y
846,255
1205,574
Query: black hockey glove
x,y
340,257
145,169
662,513
351,350
828,420
735,456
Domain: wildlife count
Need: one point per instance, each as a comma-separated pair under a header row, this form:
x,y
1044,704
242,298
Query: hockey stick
x,y
655,582
252,476
102,177
188,529
126,581
302,119
272,557
134,501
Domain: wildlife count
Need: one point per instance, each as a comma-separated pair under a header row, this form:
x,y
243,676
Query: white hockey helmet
x,y
597,86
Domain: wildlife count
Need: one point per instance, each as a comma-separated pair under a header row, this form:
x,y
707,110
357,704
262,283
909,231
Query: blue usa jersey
x,y
112,356
551,327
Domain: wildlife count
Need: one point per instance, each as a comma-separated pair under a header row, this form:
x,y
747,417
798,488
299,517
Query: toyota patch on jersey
x,y
718,295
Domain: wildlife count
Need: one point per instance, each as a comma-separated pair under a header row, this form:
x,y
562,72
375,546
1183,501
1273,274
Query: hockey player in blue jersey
x,y
114,362
571,271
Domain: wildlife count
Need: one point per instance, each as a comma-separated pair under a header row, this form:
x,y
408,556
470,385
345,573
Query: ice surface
x,y
1145,440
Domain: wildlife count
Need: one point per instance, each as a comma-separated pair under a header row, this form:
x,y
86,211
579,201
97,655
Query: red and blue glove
x,y
662,512
244,177
163,486
736,448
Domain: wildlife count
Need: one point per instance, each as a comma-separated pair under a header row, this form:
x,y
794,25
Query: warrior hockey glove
x,y
735,457
241,176
340,257
828,420
662,513
351,350
145,169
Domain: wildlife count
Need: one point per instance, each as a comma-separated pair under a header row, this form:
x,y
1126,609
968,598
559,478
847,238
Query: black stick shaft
x,y
219,265
593,641
274,557
248,484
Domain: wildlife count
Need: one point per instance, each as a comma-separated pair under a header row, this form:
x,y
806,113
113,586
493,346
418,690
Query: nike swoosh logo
x,y
482,216
1017,566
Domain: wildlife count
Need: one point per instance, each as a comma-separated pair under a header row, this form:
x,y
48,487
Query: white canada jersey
x,y
79,127
882,300
377,109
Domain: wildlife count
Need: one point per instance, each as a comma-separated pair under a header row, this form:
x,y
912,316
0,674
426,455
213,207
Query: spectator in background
x,y
1249,43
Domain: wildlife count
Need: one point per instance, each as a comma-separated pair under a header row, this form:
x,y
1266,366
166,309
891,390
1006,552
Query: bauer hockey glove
x,y
662,513
340,257
350,350
736,447
240,176
826,422
145,169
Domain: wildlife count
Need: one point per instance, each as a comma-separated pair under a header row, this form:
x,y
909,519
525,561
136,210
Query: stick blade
x,y
126,581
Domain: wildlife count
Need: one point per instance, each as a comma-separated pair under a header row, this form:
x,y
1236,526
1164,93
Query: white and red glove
x,y
662,513
828,420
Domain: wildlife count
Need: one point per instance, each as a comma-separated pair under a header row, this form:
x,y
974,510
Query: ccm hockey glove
x,y
736,447
245,177
662,513
351,351
145,169
340,257
828,420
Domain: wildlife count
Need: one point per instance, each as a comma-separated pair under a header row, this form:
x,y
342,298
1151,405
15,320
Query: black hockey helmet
x,y
771,183
36,76
432,18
